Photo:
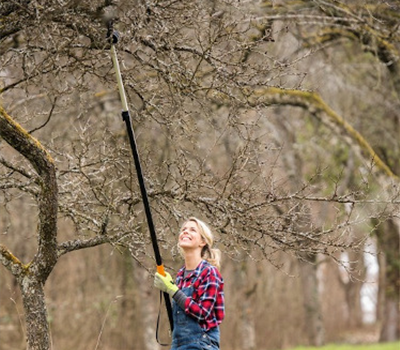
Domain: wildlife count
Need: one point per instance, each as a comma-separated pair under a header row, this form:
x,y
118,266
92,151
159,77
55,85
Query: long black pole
x,y
132,140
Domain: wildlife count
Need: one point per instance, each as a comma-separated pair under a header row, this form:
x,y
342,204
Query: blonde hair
x,y
212,255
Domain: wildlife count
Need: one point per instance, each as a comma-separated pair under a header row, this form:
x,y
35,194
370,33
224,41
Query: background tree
x,y
372,29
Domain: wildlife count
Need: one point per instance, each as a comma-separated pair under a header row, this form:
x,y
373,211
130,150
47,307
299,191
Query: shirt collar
x,y
196,272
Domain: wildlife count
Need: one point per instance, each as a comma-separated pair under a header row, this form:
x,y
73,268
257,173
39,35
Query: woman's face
x,y
190,237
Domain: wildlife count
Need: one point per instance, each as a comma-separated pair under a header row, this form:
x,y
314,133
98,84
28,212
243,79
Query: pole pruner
x,y
114,37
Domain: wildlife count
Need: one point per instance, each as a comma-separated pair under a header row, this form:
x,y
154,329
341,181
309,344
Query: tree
x,y
188,68
31,277
372,29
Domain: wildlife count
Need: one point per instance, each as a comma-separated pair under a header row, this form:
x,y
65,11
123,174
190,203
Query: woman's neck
x,y
192,259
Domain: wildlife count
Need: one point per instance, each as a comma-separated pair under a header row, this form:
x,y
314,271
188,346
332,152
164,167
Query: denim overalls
x,y
188,334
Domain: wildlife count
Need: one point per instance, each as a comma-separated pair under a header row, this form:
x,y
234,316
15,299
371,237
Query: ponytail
x,y
212,255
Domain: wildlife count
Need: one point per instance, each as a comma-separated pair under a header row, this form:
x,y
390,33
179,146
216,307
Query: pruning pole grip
x,y
160,270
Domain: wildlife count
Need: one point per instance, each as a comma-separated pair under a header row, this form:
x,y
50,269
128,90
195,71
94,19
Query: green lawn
x,y
383,346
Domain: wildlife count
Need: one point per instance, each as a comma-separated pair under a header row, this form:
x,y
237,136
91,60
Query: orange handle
x,y
160,270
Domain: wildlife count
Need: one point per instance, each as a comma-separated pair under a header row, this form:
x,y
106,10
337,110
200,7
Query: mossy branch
x,y
29,147
11,262
313,102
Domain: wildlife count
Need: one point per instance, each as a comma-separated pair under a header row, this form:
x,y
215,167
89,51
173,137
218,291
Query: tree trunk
x,y
353,299
148,305
390,326
307,263
388,246
312,306
37,329
247,307
31,277
352,288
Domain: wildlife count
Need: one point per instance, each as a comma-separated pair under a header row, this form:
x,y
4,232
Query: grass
x,y
378,346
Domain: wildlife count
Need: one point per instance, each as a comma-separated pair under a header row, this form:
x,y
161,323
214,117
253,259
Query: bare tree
x,y
201,80
329,26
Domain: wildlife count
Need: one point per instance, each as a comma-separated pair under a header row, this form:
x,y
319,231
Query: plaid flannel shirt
x,y
207,304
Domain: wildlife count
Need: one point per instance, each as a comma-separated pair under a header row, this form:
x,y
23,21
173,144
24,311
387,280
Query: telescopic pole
x,y
128,121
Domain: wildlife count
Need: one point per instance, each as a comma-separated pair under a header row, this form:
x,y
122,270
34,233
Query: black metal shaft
x,y
127,119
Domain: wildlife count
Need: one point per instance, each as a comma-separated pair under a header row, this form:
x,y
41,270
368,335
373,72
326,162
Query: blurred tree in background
x,y
277,122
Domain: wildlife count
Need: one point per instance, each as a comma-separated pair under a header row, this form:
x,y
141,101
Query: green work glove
x,y
165,283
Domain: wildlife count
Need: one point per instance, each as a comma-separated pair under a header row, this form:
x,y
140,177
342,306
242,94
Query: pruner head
x,y
112,35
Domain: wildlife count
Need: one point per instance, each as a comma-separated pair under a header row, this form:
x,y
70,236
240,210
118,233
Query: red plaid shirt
x,y
207,304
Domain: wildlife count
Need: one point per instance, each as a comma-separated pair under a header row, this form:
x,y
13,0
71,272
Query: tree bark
x,y
313,323
37,329
353,299
248,339
389,288
390,326
352,288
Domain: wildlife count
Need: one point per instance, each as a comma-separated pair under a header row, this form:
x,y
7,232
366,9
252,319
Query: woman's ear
x,y
203,242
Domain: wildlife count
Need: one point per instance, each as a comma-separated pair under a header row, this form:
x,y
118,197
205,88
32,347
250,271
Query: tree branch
x,y
12,263
78,244
30,148
316,105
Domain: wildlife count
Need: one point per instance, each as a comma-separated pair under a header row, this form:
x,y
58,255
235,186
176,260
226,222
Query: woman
x,y
198,295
